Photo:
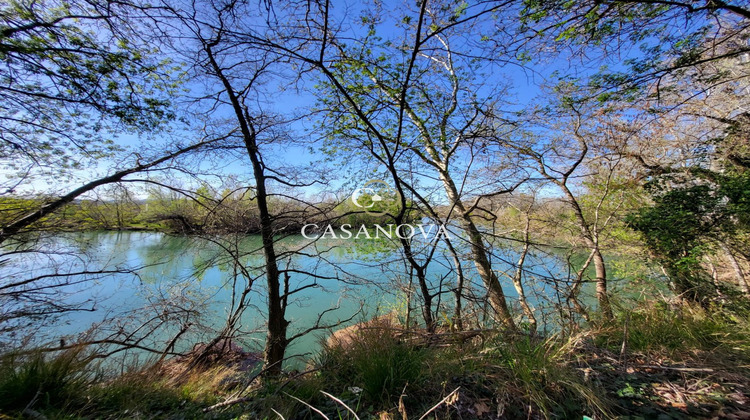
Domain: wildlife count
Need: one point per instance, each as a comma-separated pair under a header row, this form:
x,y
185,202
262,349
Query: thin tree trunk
x,y
601,284
575,290
592,242
419,270
741,280
518,276
457,313
495,293
429,320
276,339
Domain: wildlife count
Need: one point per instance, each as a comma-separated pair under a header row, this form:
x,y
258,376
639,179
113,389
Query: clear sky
x,y
292,100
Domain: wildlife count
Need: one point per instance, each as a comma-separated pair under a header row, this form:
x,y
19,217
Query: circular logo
x,y
376,197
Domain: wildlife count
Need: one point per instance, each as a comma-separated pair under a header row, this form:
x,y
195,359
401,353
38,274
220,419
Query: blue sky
x,y
280,98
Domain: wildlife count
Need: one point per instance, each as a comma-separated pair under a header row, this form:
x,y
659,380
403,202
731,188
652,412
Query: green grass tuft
x,y
377,363
41,380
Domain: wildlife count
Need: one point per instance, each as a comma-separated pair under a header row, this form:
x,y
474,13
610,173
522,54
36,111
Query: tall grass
x,y
510,376
675,330
375,361
66,385
147,394
531,374
41,380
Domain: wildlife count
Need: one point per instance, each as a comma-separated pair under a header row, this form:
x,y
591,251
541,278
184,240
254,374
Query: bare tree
x,y
579,145
375,99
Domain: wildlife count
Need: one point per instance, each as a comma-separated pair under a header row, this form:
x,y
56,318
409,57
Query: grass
x,y
67,385
376,362
534,373
378,375
36,379
676,330
678,361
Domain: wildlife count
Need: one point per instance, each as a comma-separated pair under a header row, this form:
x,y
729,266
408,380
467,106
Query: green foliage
x,y
695,209
41,380
69,77
678,220
376,362
686,220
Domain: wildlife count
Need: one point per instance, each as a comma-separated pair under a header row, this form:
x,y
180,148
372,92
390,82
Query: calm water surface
x,y
350,275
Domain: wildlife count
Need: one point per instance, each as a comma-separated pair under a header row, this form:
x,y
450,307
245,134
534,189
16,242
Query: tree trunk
x,y
424,290
495,293
592,242
574,291
457,313
741,280
426,300
518,277
419,269
276,339
601,284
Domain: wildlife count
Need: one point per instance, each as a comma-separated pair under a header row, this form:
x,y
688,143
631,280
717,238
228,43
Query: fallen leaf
x,y
481,408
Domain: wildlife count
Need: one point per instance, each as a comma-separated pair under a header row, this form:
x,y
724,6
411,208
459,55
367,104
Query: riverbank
x,y
658,361
208,214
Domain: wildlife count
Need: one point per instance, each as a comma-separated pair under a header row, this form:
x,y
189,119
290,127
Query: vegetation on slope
x,y
658,360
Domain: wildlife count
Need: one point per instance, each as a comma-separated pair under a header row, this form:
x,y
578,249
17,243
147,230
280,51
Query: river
x,y
156,270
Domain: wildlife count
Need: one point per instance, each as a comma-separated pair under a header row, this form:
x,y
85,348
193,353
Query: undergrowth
x,y
378,375
615,370
675,330
67,384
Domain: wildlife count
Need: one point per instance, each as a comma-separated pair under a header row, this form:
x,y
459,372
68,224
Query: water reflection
x,y
208,272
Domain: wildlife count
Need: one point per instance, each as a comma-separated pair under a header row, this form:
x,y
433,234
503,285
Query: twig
x,y
679,369
33,414
401,406
438,404
244,399
340,402
311,407
226,403
235,400
32,402
624,347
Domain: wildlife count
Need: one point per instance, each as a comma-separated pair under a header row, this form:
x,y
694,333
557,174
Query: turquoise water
x,y
161,271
